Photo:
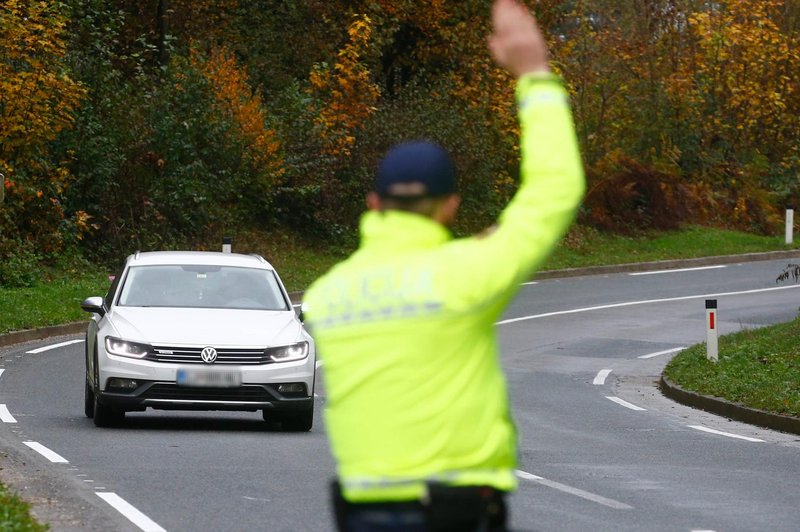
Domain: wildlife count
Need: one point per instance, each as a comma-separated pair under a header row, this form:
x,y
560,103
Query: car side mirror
x,y
302,314
94,305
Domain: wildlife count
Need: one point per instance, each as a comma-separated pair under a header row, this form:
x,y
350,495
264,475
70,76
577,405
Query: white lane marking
x,y
318,364
130,512
611,503
530,283
47,453
600,379
680,270
297,305
5,415
666,352
644,302
626,404
728,434
1,372
54,346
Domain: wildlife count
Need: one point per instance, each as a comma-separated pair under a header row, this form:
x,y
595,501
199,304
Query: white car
x,y
198,330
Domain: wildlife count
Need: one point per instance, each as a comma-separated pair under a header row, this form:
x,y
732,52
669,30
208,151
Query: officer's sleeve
x,y
487,271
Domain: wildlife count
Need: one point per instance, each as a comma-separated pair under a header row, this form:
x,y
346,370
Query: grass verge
x,y
15,514
588,247
758,368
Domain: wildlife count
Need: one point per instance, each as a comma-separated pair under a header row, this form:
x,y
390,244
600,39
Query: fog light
x,y
125,385
294,387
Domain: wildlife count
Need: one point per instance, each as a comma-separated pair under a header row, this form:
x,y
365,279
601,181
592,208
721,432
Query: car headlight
x,y
117,346
286,353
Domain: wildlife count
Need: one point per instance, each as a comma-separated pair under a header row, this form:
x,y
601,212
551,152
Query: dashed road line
x,y
5,415
665,352
626,404
677,270
130,512
47,453
54,346
728,434
593,497
600,379
1,372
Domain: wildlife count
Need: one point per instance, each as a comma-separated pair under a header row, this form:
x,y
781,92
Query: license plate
x,y
209,378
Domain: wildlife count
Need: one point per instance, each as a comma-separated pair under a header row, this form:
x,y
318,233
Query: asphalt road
x,y
600,447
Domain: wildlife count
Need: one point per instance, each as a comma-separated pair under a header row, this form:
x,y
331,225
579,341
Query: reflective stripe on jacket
x,y
405,326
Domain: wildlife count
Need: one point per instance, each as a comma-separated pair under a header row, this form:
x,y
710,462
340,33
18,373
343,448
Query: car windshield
x,y
202,286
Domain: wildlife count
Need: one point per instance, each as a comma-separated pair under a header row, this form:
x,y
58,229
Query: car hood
x,y
202,326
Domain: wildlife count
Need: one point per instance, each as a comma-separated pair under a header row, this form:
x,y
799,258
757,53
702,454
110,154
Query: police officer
x,y
417,410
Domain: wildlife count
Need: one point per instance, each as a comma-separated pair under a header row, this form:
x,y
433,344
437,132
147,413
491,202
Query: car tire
x,y
105,416
298,421
88,400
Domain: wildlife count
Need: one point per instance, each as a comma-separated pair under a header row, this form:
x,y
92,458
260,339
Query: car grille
x,y
191,355
246,393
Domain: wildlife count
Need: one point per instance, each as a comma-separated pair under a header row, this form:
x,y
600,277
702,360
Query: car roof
x,y
216,258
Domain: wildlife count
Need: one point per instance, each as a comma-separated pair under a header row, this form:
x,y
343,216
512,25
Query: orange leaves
x,y
37,98
347,93
743,61
237,101
37,102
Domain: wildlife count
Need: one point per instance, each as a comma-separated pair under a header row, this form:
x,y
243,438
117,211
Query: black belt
x,y
446,508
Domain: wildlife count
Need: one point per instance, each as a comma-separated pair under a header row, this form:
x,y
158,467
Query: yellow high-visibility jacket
x,y
405,326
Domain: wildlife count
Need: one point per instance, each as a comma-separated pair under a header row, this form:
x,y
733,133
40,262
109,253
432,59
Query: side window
x,y
113,288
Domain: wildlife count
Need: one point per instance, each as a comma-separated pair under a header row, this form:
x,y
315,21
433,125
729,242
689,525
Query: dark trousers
x,y
448,509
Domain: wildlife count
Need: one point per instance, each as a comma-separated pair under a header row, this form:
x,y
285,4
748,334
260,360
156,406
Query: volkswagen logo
x,y
209,355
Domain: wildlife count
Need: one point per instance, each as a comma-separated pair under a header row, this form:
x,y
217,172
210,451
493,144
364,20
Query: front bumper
x,y
170,396
156,386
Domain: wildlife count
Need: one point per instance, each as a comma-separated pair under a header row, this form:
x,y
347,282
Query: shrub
x,y
19,264
627,196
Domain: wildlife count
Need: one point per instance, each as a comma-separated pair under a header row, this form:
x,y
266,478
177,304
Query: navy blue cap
x,y
416,169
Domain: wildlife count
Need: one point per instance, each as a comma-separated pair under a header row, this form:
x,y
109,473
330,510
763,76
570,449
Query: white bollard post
x,y
712,350
789,225
226,244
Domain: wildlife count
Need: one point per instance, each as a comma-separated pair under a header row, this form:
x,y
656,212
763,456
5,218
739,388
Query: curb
x,y
28,335
728,409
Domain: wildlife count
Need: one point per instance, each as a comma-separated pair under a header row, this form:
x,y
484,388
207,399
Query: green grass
x,y
757,368
586,247
15,514
50,302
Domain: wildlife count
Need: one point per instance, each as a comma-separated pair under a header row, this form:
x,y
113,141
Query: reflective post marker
x,y
789,225
712,351
226,244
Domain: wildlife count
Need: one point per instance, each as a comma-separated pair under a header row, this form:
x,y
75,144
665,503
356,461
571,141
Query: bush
x,y
626,196
19,264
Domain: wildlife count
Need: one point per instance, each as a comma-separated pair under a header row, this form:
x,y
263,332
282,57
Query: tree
x,y
38,100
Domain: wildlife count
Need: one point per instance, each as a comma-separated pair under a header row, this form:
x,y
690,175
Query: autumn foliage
x,y
168,123
38,99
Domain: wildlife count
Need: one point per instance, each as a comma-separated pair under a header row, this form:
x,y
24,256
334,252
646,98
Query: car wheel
x,y
298,421
105,416
88,400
